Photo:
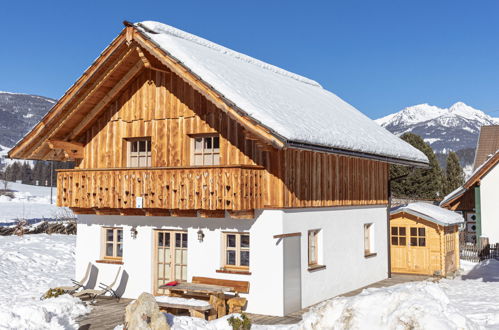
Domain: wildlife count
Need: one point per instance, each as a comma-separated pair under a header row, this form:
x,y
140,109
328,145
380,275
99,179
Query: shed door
x,y
409,250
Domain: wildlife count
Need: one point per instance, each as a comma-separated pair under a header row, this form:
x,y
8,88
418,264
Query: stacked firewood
x,y
22,228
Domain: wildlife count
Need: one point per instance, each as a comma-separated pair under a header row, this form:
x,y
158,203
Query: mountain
x,y
19,113
445,129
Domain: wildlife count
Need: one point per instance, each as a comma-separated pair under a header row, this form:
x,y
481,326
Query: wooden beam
x,y
212,213
73,150
184,213
78,210
132,212
245,214
107,211
157,212
90,117
287,235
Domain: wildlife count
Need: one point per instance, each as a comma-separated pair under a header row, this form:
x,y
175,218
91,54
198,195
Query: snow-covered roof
x,y
431,213
474,177
294,108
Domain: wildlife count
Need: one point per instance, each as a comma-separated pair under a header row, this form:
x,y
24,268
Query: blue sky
x,y
380,56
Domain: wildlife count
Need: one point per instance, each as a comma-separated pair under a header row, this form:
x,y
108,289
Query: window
x,y
113,243
368,239
236,252
399,236
139,152
418,236
313,247
206,150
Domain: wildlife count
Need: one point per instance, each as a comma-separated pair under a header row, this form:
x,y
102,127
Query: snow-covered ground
x,y
29,265
29,202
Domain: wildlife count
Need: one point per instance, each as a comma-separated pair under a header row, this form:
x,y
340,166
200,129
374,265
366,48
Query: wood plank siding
x,y
252,175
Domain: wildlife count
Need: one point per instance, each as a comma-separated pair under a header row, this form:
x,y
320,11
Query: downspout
x,y
388,232
478,213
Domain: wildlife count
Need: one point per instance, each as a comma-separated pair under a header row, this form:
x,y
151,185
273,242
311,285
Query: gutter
x,y
387,159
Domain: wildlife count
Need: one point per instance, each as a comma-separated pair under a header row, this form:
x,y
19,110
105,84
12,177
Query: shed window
x,y
206,150
139,152
399,236
418,236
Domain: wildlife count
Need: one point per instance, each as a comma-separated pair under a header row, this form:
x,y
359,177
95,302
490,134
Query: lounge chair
x,y
103,289
76,284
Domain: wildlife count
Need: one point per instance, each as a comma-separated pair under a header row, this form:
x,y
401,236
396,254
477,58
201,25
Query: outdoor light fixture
x,y
133,232
200,235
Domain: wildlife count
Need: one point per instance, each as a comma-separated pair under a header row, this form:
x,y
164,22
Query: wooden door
x,y
170,258
409,250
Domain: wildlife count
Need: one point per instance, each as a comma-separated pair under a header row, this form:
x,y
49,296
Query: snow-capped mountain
x,y
19,113
444,129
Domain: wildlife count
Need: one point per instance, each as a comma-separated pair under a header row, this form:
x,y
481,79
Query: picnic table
x,y
215,293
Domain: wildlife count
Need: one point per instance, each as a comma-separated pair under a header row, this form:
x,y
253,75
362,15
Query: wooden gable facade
x,y
136,91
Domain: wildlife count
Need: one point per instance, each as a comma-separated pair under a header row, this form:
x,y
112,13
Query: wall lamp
x,y
200,235
133,232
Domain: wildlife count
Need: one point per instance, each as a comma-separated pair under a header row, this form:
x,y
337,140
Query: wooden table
x,y
216,294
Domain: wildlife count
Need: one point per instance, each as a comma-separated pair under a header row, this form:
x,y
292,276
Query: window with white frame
x,y
139,152
205,150
313,247
236,250
368,239
112,247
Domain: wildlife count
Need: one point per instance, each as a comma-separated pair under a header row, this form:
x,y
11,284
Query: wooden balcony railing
x,y
211,188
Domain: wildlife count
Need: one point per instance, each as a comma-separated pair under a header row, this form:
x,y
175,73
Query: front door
x,y
170,258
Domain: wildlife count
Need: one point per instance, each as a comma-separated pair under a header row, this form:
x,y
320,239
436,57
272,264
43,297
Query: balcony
x,y
162,190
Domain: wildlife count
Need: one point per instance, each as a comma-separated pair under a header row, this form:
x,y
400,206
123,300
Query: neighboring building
x,y
424,239
477,198
195,160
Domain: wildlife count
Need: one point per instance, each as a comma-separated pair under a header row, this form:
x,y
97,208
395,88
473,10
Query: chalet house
x,y
477,198
195,160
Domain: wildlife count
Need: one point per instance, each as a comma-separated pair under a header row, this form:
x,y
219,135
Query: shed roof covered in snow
x,y
431,213
294,108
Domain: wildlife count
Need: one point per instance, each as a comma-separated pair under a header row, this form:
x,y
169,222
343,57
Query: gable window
x,y
112,243
313,248
369,239
139,152
236,250
399,236
418,236
205,150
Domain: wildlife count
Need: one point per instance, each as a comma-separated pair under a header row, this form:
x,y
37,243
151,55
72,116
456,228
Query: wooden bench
x,y
239,286
235,303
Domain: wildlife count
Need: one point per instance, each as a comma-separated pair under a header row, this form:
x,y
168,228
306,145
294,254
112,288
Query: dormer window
x,y
139,152
205,150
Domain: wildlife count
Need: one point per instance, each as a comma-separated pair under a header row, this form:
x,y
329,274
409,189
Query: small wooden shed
x,y
424,239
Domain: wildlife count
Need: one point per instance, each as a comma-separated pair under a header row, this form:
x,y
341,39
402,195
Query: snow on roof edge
x,y
430,212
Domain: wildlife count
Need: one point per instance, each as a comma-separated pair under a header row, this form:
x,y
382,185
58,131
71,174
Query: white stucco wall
x,y
204,258
341,249
341,240
489,201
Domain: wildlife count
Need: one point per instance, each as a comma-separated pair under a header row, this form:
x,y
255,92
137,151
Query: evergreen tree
x,y
454,175
26,173
419,183
13,172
